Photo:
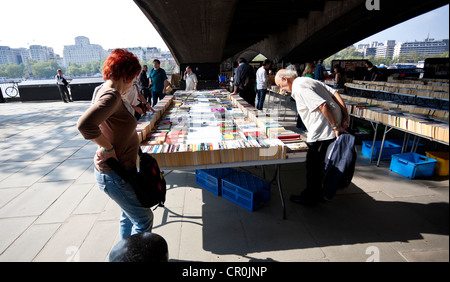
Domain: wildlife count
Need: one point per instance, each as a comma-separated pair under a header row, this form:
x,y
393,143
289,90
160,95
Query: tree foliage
x,y
11,70
41,70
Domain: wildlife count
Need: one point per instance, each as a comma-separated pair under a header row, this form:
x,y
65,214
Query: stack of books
x,y
210,127
412,122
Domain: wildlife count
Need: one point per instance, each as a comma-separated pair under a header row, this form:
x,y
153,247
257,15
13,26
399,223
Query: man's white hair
x,y
286,73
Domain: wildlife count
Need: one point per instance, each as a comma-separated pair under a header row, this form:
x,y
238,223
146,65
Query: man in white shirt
x,y
261,83
191,79
325,115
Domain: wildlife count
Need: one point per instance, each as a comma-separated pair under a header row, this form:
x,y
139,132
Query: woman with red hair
x,y
110,125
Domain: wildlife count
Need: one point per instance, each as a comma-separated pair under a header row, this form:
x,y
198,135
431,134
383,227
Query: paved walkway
x,y
52,210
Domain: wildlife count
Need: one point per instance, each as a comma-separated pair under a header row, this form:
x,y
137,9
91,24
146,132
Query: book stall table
x,y
214,129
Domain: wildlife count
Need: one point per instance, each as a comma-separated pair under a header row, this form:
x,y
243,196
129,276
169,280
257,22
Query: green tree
x,y
349,53
11,70
44,69
75,69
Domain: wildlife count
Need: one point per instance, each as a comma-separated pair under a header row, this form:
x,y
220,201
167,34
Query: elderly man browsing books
x,y
325,116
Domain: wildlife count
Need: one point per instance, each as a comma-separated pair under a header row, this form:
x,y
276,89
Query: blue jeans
x,y
156,96
261,93
134,218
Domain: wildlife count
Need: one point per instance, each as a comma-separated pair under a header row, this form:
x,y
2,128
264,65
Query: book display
x,y
413,87
213,127
420,124
427,122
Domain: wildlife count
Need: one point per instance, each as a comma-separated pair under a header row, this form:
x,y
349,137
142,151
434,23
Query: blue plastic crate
x,y
389,149
211,179
246,190
413,165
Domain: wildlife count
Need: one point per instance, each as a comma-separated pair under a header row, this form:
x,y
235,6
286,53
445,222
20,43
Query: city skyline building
x,y
82,52
392,49
386,50
428,46
42,53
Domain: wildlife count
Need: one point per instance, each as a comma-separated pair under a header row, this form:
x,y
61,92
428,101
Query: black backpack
x,y
148,184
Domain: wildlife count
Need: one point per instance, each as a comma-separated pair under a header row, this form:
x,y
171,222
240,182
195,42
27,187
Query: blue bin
x,y
412,165
222,78
246,190
389,149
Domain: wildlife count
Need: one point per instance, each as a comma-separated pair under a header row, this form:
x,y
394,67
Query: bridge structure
x,y
210,33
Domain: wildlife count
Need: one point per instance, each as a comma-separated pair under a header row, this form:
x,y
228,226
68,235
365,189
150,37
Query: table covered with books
x,y
192,130
418,108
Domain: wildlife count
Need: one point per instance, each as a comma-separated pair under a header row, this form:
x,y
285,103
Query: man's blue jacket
x,y
340,164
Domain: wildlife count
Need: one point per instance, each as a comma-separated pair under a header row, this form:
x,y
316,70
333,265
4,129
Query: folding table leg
x,y
281,191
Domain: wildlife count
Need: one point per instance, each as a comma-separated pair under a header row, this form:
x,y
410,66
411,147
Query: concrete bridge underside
x,y
211,32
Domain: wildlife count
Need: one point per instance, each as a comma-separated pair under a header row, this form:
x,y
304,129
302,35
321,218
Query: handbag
x,y
148,183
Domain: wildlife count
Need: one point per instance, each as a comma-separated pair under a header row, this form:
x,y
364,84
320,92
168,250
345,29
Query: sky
x,y
435,23
109,23
121,24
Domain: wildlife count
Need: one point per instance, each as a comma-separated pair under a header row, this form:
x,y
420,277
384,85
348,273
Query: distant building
x,y
429,46
6,55
385,50
15,55
368,49
82,52
42,53
144,53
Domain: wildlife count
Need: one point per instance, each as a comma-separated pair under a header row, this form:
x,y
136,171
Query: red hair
x,y
121,64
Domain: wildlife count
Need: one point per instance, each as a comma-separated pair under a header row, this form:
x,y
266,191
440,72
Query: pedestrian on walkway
x,y
62,83
109,124
244,82
322,111
261,83
191,79
143,82
319,71
158,81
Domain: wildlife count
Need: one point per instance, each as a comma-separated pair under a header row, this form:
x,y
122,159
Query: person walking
x,y
158,81
110,125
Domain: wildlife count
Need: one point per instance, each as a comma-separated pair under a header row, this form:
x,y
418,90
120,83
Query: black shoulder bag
x,y
148,183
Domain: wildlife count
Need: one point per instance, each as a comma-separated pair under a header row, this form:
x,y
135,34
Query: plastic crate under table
x,y
389,149
211,179
412,165
246,190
